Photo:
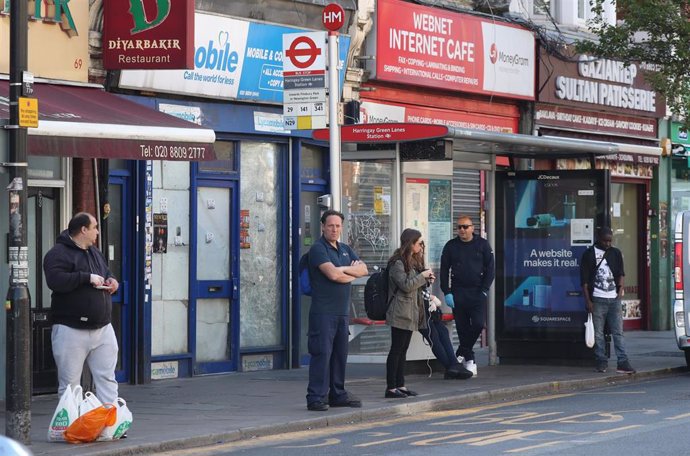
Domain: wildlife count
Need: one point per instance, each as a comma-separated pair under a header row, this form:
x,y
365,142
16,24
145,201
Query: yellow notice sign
x,y
378,200
304,122
28,112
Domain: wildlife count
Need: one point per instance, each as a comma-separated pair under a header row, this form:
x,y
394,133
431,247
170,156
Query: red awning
x,y
88,122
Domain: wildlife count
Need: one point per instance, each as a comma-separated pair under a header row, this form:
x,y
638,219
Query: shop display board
x,y
428,208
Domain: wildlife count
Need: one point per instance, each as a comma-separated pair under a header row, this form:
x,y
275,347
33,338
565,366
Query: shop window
x,y
261,259
626,232
225,159
312,162
44,168
116,163
680,188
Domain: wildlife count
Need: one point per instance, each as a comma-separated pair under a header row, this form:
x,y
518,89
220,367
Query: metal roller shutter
x,y
466,194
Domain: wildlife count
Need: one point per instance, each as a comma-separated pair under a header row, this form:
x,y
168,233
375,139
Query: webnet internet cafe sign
x,y
148,34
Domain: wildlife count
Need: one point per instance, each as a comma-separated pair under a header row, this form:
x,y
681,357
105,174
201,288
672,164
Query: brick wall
x,y
84,191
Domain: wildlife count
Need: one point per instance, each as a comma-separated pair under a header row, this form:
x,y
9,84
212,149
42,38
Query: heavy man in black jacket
x,y
81,306
469,260
601,275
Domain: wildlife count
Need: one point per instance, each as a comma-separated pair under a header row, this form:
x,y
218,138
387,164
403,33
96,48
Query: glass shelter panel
x,y
367,199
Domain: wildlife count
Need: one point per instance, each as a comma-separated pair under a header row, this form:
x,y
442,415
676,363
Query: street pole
x,y
334,127
18,303
491,223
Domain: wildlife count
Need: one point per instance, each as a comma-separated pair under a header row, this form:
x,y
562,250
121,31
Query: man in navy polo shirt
x,y
333,266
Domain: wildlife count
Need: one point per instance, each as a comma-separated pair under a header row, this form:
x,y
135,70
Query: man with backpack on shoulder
x,y
469,262
333,266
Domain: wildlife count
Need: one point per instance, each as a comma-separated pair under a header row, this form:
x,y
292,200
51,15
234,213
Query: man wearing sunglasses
x,y
467,272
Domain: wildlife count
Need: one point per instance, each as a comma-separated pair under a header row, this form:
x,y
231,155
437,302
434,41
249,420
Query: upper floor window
x,y
531,8
582,6
541,7
578,12
564,12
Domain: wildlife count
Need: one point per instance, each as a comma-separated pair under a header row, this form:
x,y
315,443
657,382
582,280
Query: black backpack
x,y
304,280
376,300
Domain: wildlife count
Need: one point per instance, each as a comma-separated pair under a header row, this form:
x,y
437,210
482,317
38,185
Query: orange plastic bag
x,y
89,426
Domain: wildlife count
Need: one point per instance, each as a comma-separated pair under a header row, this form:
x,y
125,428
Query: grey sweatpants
x,y
98,347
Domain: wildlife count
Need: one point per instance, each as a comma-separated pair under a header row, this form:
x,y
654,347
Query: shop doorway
x,y
214,282
310,232
628,225
43,214
118,244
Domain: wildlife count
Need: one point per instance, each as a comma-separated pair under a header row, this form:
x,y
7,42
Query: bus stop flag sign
x,y
304,80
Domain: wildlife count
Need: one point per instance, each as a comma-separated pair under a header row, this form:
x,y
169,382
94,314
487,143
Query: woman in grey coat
x,y
407,277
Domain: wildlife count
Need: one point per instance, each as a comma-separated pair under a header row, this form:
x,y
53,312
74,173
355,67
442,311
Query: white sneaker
x,y
470,366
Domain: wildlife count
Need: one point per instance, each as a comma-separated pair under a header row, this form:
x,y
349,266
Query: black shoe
x,y
350,401
408,392
395,394
602,366
625,368
457,372
317,406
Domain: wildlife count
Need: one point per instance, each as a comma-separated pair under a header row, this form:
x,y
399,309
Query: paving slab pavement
x,y
190,412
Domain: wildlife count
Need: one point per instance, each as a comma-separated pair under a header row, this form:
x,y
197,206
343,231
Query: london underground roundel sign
x,y
303,52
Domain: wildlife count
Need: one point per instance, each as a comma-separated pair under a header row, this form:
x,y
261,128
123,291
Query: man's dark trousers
x,y
439,339
469,314
328,345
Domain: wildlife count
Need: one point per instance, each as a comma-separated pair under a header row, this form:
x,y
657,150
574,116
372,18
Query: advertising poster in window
x,y
160,233
417,204
440,214
546,220
428,208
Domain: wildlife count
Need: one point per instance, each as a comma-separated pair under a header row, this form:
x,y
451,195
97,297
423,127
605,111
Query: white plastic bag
x,y
122,423
589,331
66,412
89,403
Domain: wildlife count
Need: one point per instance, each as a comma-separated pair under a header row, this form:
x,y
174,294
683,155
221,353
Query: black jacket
x,y
75,302
471,265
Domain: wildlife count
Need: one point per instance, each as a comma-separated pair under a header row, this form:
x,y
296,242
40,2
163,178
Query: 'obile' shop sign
x,y
233,60
431,47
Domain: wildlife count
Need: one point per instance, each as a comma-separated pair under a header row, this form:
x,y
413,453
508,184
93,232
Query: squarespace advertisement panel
x,y
546,220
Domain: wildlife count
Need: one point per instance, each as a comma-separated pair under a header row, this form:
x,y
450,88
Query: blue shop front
x,y
219,235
